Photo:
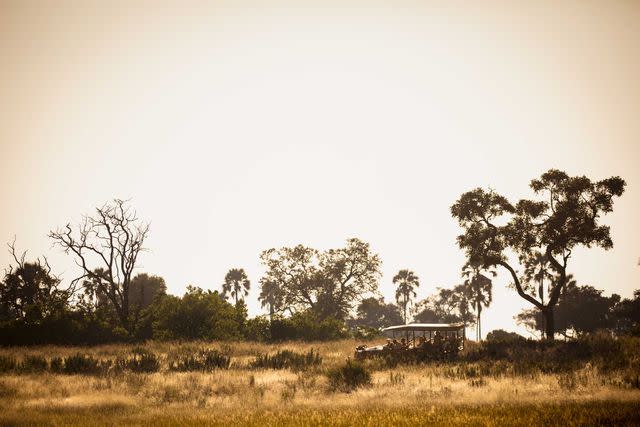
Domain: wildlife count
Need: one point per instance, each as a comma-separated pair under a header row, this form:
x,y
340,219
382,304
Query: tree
x,y
581,309
478,288
626,315
375,313
199,314
406,282
271,296
565,217
29,291
328,283
236,283
445,306
113,239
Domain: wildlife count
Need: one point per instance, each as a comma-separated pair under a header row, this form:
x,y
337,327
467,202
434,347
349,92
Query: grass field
x,y
454,393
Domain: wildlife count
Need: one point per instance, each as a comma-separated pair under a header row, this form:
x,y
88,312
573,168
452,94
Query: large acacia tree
x,y
106,247
329,283
564,216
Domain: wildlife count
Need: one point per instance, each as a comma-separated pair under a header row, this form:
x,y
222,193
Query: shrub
x,y
7,364
56,365
349,376
141,361
287,359
81,364
32,364
201,360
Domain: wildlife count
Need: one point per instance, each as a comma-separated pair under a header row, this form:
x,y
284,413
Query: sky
x,y
238,126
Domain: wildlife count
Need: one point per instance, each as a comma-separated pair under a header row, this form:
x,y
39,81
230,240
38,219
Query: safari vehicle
x,y
417,341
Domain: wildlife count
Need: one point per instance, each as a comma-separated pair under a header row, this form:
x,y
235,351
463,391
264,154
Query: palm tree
x,y
480,291
537,270
406,282
271,296
236,283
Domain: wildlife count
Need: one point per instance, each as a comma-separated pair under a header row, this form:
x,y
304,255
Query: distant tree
x,y
113,238
478,288
271,297
536,269
236,283
406,283
143,291
502,335
29,291
199,314
329,283
626,315
566,217
445,306
580,309
350,273
375,313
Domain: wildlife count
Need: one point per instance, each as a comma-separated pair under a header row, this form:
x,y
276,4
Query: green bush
x,y
287,359
33,364
204,360
349,376
7,364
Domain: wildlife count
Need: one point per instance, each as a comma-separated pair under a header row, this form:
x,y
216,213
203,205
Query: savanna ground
x,y
471,391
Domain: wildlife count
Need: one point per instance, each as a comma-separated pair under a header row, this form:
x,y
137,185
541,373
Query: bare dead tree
x,y
106,247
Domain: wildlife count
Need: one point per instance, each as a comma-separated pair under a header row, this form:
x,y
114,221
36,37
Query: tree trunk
x,y
549,326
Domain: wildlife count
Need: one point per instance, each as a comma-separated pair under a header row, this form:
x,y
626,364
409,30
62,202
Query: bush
x,y
81,364
202,360
32,364
287,359
7,364
141,361
349,376
308,327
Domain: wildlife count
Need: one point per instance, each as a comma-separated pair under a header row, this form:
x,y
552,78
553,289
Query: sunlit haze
x,y
234,127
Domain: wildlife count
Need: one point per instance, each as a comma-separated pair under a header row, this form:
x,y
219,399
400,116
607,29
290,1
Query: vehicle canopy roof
x,y
425,327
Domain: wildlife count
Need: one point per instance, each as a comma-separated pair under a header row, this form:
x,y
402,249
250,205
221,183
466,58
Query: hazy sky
x,y
239,126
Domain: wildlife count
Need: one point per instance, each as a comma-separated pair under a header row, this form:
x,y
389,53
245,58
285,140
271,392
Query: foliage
x,y
406,283
236,283
198,314
626,315
203,360
141,360
29,292
80,364
287,359
445,306
565,217
373,313
307,326
349,376
328,283
33,363
581,309
113,238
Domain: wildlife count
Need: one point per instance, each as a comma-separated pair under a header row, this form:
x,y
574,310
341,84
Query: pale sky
x,y
239,126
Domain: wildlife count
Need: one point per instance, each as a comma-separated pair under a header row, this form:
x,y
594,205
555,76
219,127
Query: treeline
x,y
314,295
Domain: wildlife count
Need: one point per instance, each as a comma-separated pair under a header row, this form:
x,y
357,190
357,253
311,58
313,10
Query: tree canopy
x,y
565,215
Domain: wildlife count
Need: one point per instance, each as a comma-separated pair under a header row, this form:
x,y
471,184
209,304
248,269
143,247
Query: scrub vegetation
x,y
594,380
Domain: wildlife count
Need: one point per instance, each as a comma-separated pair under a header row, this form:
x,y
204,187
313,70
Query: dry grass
x,y
419,394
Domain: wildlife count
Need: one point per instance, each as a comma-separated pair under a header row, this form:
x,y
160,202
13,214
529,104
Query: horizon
x,y
247,128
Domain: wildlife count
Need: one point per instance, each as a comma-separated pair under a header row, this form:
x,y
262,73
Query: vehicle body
x,y
418,341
